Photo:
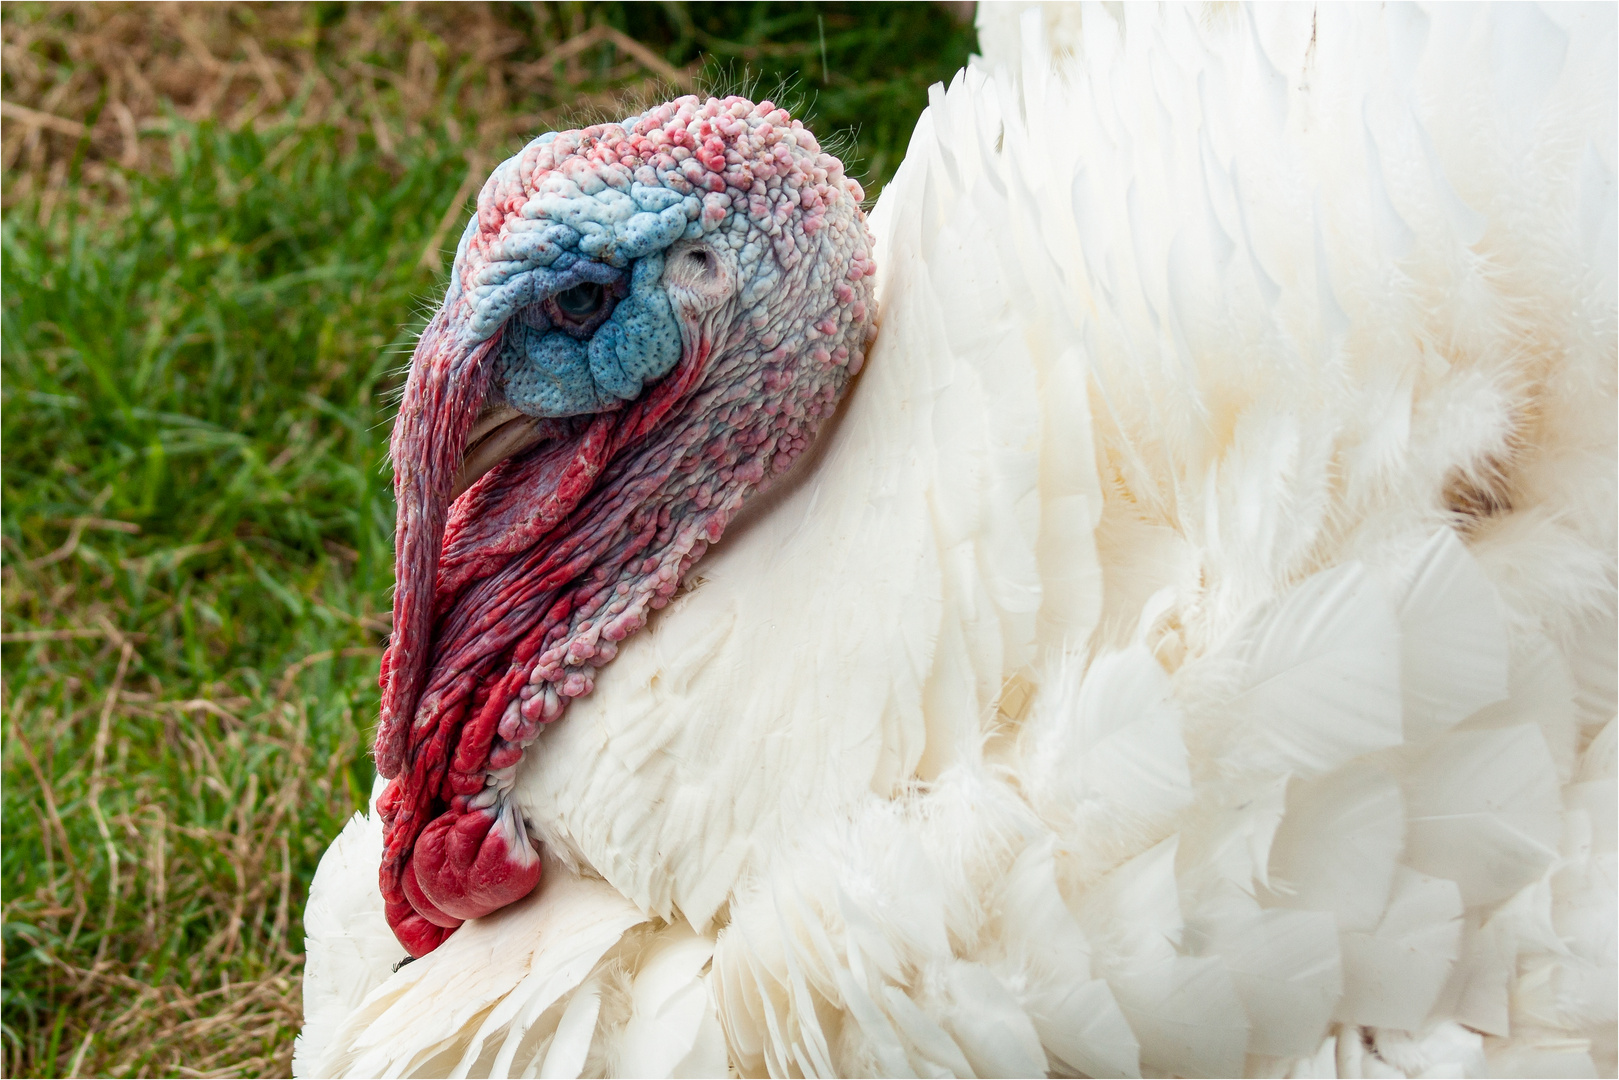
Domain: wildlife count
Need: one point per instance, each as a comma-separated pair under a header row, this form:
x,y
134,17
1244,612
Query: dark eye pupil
x,y
581,300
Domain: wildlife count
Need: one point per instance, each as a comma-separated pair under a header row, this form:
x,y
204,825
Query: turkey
x,y
1142,603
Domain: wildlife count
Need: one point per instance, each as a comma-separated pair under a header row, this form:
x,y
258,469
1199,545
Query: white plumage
x,y
1191,650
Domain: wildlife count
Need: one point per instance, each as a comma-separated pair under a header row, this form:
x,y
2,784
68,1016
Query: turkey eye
x,y
581,301
579,310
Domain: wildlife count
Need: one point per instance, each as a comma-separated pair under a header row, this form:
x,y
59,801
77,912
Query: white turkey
x,y
1188,649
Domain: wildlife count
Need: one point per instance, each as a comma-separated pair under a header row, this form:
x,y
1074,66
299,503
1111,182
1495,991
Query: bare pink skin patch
x,y
653,319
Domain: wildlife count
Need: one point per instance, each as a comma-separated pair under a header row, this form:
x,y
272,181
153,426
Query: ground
x,y
222,225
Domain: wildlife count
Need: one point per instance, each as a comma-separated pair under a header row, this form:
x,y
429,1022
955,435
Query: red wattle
x,y
467,865
444,862
415,933
419,902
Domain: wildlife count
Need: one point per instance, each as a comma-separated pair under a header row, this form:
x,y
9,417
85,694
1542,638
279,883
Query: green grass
x,y
209,367
197,516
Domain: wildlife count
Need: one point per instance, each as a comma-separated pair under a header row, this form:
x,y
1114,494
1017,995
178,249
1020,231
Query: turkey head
x,y
646,323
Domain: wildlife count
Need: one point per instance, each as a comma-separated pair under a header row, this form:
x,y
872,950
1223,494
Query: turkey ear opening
x,y
698,276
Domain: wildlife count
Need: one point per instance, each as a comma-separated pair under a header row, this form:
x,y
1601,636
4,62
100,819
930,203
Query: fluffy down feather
x,y
1192,650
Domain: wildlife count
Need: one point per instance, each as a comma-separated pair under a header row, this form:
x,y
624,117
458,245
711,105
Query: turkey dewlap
x,y
646,322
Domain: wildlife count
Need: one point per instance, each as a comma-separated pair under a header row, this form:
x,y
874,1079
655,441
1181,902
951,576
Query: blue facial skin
x,y
544,371
565,237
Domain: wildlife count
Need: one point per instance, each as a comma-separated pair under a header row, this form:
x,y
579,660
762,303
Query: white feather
x,y
1393,974
1337,847
1484,811
1453,647
350,945
1322,680
570,1045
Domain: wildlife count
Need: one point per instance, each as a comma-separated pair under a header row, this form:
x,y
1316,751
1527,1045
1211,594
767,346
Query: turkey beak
x,y
500,432
443,397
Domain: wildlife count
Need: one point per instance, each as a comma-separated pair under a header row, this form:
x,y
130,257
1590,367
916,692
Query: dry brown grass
x,y
222,865
91,85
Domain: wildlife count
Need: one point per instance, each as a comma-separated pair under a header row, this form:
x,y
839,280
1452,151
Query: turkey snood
x,y
646,323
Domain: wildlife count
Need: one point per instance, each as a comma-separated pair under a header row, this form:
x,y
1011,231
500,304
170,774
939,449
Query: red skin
x,y
508,601
443,862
